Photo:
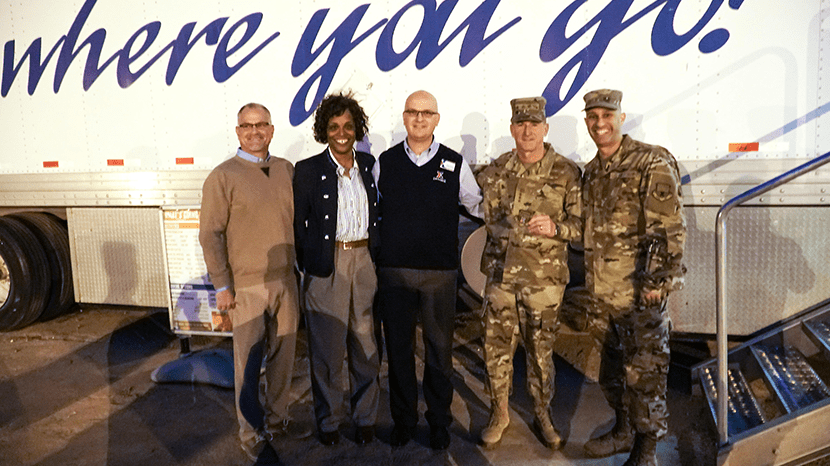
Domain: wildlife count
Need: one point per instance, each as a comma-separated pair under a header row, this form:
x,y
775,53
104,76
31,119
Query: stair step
x,y
819,333
822,329
744,412
779,402
794,381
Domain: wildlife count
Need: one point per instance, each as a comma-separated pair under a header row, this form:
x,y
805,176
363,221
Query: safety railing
x,y
720,288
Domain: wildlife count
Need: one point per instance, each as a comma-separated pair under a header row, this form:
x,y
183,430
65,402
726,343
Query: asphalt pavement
x,y
77,390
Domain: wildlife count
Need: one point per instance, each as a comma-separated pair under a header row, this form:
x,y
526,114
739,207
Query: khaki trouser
x,y
265,321
340,324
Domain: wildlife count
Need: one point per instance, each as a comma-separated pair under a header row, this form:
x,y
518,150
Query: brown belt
x,y
346,245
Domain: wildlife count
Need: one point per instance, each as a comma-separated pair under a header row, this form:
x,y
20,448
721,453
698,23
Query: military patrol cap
x,y
605,98
528,109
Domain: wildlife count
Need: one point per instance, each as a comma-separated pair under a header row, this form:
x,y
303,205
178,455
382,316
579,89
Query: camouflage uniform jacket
x,y
627,199
514,193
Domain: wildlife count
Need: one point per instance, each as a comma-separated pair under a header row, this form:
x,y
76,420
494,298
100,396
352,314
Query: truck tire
x,y
54,240
25,275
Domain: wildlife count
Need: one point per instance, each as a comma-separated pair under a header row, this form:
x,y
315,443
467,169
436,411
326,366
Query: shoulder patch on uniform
x,y
662,191
661,196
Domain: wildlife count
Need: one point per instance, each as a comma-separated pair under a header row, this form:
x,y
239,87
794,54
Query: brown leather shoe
x,y
364,435
289,429
254,447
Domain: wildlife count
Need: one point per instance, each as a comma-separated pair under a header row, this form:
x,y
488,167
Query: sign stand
x,y
192,305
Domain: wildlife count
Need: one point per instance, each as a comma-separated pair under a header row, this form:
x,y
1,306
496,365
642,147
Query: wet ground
x,y
77,391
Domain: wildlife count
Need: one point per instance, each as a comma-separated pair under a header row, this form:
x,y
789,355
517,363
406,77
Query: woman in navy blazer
x,y
336,238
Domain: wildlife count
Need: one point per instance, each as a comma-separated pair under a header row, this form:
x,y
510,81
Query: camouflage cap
x,y
605,98
528,109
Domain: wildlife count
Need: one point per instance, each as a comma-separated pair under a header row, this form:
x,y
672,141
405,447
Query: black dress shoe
x,y
439,438
330,438
401,435
364,435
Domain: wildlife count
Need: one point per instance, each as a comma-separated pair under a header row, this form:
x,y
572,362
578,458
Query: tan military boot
x,y
619,439
499,420
548,434
644,452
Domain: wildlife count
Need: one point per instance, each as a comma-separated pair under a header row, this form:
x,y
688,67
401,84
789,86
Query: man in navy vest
x,y
421,184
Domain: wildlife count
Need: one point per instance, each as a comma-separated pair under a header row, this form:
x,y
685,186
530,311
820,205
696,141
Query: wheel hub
x,y
5,282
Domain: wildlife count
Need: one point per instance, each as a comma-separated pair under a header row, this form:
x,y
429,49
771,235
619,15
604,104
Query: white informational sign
x,y
192,297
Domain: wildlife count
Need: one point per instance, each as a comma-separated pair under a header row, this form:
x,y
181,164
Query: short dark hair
x,y
335,105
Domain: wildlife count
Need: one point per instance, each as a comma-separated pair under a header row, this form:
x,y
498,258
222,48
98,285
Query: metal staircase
x,y
777,411
779,400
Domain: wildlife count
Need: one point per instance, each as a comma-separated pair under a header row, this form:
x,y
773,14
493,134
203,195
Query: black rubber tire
x,y
28,274
52,234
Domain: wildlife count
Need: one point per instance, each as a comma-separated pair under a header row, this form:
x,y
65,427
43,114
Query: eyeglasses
x,y
424,113
250,126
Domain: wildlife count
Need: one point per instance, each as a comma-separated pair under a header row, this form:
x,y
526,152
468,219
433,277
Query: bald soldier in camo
x,y
531,209
634,237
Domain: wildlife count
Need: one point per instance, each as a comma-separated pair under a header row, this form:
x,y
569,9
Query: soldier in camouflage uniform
x,y
532,208
634,236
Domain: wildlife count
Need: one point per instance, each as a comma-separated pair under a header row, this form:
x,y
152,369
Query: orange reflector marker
x,y
53,164
184,160
743,147
115,162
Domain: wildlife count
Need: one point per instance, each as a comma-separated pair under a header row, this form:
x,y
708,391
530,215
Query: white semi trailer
x,y
113,112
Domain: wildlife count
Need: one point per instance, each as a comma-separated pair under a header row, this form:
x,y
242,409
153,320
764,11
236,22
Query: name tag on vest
x,y
448,165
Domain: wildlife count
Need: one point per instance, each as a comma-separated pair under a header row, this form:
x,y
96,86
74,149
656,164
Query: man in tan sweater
x,y
247,237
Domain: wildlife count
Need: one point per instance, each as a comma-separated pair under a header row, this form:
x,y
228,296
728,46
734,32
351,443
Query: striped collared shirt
x,y
352,203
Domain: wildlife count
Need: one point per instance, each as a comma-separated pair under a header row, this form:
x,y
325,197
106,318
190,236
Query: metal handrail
x,y
720,288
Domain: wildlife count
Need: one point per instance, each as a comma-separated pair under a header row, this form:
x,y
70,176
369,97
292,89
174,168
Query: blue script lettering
x,y
610,22
182,45
432,25
125,57
125,76
664,39
68,52
304,57
221,71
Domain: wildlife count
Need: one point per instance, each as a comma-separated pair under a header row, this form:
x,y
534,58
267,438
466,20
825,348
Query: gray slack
x,y
265,320
340,325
